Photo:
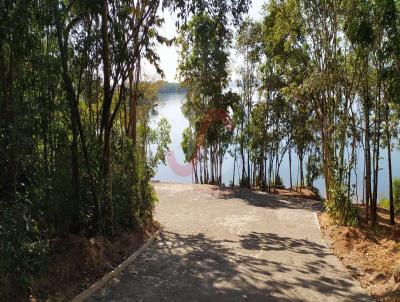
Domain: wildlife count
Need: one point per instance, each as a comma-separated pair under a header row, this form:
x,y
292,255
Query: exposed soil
x,y
78,262
306,193
371,253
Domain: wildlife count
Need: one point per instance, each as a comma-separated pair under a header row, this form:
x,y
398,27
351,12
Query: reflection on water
x,y
170,108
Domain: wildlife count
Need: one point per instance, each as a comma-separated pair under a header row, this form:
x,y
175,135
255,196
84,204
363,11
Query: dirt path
x,y
223,245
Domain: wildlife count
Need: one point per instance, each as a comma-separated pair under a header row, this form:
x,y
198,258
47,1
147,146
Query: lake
x,y
178,171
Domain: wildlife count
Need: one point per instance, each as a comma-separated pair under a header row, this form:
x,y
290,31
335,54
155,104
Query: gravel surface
x,y
234,245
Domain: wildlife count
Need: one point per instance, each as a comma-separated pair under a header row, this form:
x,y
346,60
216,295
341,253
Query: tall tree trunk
x,y
74,124
133,96
248,170
212,164
290,168
301,171
7,128
234,168
376,168
389,155
367,143
106,126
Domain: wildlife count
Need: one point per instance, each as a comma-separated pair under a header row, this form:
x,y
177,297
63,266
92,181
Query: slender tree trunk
x,y
290,169
7,127
106,122
234,168
301,171
260,174
74,125
389,155
133,95
248,170
367,144
376,169
243,165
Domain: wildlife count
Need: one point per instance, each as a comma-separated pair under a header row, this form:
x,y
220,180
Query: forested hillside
x,y
167,87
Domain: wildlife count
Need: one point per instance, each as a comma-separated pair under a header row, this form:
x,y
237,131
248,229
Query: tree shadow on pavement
x,y
274,242
266,200
197,268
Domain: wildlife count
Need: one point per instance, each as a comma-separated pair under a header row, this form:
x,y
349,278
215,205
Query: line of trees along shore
x,y
74,122
318,78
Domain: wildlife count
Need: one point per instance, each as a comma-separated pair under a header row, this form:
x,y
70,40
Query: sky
x,y
169,55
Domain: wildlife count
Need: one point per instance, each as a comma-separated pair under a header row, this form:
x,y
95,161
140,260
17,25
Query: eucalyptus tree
x,y
321,23
248,44
387,23
285,69
372,30
308,72
203,70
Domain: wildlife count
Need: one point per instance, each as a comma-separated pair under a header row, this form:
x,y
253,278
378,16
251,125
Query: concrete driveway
x,y
234,245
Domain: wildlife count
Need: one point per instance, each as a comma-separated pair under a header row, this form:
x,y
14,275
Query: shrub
x,y
278,181
396,193
339,207
384,203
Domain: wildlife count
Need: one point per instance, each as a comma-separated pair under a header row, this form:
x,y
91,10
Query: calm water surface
x,y
170,108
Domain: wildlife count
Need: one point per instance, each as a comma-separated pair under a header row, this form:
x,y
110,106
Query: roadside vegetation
x,y
75,129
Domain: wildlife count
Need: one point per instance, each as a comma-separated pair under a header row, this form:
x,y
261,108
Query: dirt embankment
x,y
77,262
307,193
370,253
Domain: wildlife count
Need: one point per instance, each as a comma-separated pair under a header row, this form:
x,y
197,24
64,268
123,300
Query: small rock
x,y
396,274
378,278
114,281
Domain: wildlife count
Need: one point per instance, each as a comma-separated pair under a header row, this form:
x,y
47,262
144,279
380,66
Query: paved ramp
x,y
234,245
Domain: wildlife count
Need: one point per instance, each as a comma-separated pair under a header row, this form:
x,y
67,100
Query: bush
x,y
385,202
339,207
396,193
278,181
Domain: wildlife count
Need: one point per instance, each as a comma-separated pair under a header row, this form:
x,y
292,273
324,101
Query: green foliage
x,y
384,203
189,145
314,169
396,193
53,183
203,70
340,208
203,57
166,88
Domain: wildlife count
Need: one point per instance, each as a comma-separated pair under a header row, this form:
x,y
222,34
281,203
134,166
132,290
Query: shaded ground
x,y
77,262
371,253
234,245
